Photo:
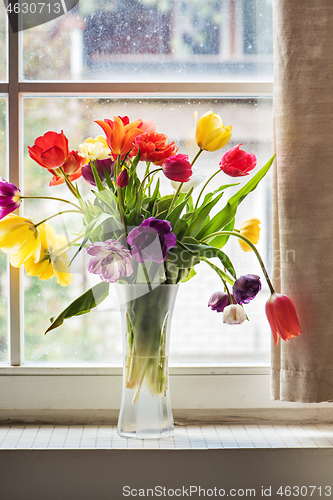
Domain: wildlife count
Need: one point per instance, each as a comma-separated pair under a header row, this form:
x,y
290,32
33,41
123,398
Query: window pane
x,y
198,333
3,43
149,40
3,257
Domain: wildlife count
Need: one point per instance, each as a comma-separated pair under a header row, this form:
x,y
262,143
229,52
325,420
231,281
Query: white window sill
x,y
189,437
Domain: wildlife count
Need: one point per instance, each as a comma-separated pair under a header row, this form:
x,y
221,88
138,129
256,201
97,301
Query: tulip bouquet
x,y
134,235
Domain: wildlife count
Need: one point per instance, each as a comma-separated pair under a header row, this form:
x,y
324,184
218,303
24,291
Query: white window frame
x,y
81,394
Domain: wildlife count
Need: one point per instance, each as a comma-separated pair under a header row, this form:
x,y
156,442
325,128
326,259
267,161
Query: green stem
x,y
68,246
68,182
241,237
55,215
51,198
143,181
120,203
174,198
146,173
196,157
146,276
204,187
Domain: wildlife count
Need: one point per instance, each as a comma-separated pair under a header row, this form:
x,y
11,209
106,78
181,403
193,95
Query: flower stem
x,y
181,184
196,157
174,198
55,215
241,237
146,177
204,187
120,203
51,198
142,183
68,182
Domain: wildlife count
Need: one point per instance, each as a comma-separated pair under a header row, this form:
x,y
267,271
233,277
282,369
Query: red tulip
x,y
50,150
123,179
177,168
282,317
237,162
71,167
153,147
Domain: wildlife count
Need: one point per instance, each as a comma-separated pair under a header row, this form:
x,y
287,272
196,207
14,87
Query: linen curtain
x,y
302,368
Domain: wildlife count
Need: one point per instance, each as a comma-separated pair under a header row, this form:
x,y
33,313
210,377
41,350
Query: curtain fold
x,y
302,368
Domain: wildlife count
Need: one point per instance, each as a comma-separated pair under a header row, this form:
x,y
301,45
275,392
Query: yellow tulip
x,y
211,134
51,261
95,149
250,229
19,237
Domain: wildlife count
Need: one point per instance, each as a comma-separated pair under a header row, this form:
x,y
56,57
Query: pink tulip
x,y
123,179
282,317
237,162
177,168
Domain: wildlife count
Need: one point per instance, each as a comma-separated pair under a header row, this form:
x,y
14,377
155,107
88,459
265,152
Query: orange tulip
x,y
119,135
282,317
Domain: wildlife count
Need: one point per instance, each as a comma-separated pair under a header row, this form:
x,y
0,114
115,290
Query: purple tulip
x,y
10,198
218,301
152,240
88,176
110,260
246,288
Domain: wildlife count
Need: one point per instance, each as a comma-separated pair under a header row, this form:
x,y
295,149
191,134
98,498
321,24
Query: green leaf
x,y
82,305
190,275
108,180
220,241
174,216
181,257
225,186
180,229
90,228
229,211
109,199
135,161
200,215
161,206
98,181
220,273
212,252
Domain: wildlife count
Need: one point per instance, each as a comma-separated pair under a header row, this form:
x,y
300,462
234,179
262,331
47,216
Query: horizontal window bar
x,y
91,88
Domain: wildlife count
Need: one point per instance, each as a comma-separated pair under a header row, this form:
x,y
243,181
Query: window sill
x,y
93,462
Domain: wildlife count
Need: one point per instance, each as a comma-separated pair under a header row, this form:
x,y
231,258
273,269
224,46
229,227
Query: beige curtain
x,y
302,369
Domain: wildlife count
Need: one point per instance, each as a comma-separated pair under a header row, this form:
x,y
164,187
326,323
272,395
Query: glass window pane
x,y
149,40
3,257
3,43
198,333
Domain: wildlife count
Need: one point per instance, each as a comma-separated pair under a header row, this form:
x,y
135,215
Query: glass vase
x,y
146,318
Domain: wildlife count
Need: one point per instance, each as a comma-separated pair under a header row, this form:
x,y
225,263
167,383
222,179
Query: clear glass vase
x,y
146,317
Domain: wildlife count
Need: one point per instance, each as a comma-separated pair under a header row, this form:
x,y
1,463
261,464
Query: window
x,y
153,60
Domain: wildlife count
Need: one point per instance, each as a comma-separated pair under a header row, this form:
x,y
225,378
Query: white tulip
x,y
234,315
193,182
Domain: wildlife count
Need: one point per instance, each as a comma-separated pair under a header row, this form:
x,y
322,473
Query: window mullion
x,y
14,141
